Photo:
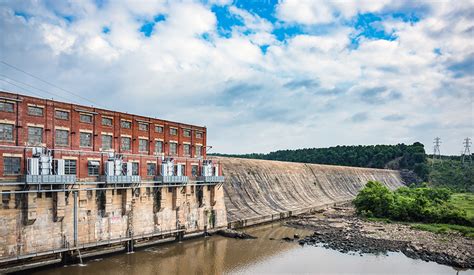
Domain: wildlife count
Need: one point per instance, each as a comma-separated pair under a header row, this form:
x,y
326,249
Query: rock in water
x,y
229,233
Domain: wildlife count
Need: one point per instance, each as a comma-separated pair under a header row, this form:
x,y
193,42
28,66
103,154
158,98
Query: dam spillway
x,y
257,191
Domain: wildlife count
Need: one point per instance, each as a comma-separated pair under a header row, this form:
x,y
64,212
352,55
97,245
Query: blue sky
x,y
261,75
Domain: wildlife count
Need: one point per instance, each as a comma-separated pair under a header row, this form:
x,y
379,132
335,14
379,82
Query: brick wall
x,y
49,122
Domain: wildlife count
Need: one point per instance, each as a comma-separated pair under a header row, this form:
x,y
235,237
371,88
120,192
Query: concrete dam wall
x,y
48,226
256,191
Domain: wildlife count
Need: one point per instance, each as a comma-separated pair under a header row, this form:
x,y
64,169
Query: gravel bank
x,y
340,229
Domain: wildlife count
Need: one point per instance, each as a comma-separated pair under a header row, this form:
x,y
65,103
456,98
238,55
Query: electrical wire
x,y
31,86
28,91
49,83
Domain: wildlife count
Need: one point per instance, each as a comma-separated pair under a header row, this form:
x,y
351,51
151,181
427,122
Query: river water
x,y
219,255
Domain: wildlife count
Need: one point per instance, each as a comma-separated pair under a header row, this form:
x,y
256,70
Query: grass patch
x,y
464,201
438,228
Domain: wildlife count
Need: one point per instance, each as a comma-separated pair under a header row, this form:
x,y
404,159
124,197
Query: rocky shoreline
x,y
229,233
340,229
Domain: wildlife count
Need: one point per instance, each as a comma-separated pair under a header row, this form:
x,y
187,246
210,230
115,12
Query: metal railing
x,y
211,179
172,179
49,179
120,179
89,245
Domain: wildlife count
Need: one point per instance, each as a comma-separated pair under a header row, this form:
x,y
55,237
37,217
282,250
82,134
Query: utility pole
x,y
436,151
466,155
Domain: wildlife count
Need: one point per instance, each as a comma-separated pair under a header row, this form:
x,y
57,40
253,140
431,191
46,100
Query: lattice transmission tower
x,y
436,151
466,155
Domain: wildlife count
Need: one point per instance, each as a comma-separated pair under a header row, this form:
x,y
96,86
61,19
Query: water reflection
x,y
218,255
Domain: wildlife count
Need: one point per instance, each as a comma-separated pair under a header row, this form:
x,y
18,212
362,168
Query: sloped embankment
x,y
261,190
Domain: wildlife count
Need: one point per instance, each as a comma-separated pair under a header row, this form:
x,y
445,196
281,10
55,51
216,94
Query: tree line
x,y
400,156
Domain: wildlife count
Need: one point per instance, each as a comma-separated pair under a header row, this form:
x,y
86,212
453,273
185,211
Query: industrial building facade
x,y
76,178
67,129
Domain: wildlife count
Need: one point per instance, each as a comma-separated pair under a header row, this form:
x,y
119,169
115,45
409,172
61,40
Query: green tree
x,y
374,200
420,204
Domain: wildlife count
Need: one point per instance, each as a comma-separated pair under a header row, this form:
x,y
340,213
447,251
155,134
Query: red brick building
x,y
75,177
83,135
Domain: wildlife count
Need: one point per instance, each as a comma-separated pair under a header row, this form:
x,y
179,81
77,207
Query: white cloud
x,y
302,92
305,12
251,21
57,38
190,19
309,12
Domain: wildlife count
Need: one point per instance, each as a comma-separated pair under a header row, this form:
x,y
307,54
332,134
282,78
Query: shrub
x,y
374,200
421,204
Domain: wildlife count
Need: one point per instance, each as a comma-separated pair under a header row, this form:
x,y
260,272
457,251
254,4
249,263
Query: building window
x,y
159,129
86,118
5,199
35,111
59,114
198,150
35,135
173,131
126,144
124,168
135,170
142,126
186,132
106,142
125,124
6,131
187,149
11,165
143,145
183,170
158,146
198,134
151,169
70,166
173,148
85,139
107,121
194,170
6,107
62,137
93,167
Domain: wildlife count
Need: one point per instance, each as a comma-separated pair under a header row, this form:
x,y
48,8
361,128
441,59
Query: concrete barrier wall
x,y
124,211
259,190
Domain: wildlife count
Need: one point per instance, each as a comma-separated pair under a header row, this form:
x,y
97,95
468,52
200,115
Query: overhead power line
x,y
49,83
31,86
11,83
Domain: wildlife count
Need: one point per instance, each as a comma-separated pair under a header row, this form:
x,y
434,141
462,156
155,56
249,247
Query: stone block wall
x,y
43,221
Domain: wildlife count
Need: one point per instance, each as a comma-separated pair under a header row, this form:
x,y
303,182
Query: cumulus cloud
x,y
406,75
310,12
359,117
